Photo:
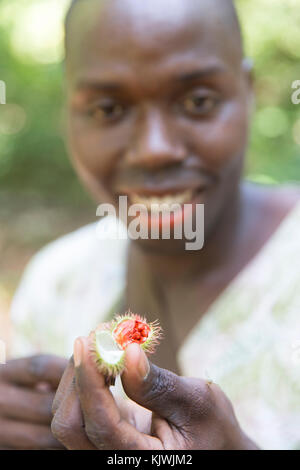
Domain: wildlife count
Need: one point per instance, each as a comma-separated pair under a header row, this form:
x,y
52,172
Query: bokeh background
x,y
40,197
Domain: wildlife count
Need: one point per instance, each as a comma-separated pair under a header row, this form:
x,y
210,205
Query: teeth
x,y
155,202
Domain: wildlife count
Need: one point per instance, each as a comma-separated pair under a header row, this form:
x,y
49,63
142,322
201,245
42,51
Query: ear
x,y
247,67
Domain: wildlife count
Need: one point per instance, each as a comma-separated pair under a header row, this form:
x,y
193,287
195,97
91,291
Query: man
x,y
159,102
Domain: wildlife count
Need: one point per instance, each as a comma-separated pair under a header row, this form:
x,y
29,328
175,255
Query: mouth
x,y
158,201
165,207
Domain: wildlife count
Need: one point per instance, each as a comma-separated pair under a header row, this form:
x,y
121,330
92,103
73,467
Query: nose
x,y
155,144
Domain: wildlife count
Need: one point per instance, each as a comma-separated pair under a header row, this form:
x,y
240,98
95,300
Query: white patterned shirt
x,y
248,342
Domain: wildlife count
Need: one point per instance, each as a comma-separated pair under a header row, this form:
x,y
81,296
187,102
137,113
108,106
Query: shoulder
x,y
276,201
286,197
84,249
67,289
62,254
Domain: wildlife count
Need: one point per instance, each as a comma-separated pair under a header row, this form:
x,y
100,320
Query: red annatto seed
x,y
123,330
130,331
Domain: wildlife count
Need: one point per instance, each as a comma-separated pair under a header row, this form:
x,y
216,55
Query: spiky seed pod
x,y
110,340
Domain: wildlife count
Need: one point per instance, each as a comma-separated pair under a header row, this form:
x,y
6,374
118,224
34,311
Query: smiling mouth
x,y
158,203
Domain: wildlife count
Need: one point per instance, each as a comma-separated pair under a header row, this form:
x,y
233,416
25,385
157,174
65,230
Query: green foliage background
x,y
33,159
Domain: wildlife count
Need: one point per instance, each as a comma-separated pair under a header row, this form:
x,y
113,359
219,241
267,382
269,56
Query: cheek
x,y
89,151
95,158
222,140
97,151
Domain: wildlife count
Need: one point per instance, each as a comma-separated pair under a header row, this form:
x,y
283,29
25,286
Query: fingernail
x,y
143,366
77,352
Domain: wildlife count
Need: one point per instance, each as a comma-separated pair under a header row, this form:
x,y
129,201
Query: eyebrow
x,y
97,86
182,77
200,73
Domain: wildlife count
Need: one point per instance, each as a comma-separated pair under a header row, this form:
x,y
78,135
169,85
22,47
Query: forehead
x,y
135,33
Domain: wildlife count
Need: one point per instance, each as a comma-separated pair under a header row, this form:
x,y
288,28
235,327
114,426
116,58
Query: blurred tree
x,y
272,40
33,159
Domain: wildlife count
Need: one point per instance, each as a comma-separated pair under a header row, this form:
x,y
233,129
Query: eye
x,y
198,104
107,110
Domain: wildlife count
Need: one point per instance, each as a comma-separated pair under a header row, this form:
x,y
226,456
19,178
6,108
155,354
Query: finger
x,y
159,390
104,425
25,404
139,417
68,425
64,385
30,371
25,436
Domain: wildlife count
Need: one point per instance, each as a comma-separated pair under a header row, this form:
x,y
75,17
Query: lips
x,y
164,190
158,201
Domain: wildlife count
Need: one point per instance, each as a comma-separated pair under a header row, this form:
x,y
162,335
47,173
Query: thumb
x,y
156,389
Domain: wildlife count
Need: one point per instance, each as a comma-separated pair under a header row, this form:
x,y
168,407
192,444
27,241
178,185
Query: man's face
x,y
158,102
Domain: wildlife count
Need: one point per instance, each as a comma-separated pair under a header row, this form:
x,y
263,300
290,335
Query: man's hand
x,y
186,413
27,389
